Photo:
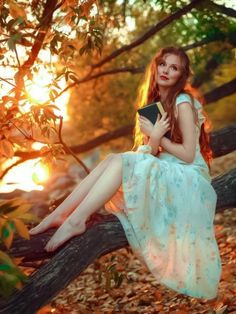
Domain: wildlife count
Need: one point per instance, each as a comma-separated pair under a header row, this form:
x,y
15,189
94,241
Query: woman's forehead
x,y
171,58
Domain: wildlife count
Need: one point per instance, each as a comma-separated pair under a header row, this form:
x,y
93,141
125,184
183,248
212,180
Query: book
x,y
151,111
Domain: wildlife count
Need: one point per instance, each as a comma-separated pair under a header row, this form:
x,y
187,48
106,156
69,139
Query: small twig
x,y
28,137
17,57
68,148
20,161
1,78
89,77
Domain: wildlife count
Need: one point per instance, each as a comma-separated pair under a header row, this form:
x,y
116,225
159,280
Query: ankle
x,y
77,221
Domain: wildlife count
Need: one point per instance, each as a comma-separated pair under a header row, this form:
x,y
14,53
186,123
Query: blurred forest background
x,y
100,99
70,73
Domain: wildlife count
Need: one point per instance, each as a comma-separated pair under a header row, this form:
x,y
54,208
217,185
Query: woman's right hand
x,y
161,126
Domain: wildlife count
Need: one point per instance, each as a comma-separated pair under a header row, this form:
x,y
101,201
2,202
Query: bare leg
x,y
57,217
102,191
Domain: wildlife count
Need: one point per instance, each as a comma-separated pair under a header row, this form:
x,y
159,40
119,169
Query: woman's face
x,y
168,70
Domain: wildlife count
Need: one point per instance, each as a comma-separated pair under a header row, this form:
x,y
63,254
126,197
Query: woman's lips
x,y
164,78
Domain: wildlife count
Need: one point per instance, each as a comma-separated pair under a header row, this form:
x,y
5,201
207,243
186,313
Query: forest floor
x,y
139,291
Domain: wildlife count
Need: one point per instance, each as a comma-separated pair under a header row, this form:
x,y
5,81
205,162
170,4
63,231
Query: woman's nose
x,y
166,70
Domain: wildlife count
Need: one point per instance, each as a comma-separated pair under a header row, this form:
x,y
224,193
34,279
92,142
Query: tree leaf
x,y
30,217
21,229
6,148
19,211
16,11
8,235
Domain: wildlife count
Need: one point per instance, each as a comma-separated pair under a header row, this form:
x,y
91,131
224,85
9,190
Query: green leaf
x,y
5,232
19,21
13,40
5,267
11,44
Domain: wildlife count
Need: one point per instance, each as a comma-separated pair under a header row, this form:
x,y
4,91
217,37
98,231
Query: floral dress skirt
x,y
167,209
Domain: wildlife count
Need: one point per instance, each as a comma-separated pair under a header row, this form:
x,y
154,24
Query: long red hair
x,y
149,92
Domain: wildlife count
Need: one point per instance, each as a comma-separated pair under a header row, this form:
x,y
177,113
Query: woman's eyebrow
x,y
172,63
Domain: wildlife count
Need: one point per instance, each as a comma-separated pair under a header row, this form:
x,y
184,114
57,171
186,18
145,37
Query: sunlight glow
x,y
40,174
37,145
39,88
37,93
27,176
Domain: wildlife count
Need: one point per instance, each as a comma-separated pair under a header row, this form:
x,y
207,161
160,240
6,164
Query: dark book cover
x,y
151,111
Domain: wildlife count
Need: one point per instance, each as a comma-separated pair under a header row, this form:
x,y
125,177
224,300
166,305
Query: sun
x,y
40,173
38,91
38,94
28,176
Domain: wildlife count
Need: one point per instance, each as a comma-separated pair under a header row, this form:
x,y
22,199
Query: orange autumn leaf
x,y
6,148
70,3
86,7
44,310
21,229
16,11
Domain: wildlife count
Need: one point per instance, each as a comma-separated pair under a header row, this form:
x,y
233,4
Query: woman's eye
x,y
173,67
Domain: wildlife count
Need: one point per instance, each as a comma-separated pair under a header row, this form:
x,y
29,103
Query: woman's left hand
x,y
146,126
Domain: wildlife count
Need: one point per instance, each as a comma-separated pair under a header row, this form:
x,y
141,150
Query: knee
x,y
114,158
110,156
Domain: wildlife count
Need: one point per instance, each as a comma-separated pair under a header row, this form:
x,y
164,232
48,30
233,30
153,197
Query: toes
x,y
48,247
33,231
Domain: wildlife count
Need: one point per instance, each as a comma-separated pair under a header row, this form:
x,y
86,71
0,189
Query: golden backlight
x,y
31,174
39,88
27,176
40,174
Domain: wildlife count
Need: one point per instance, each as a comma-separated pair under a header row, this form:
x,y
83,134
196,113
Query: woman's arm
x,y
154,142
186,150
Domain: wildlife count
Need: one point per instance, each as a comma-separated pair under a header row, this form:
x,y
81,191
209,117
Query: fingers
x,y
164,116
142,118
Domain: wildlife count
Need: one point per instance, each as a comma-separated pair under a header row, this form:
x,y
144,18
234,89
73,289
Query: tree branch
x,y
104,234
90,77
50,7
68,149
211,65
221,8
152,31
220,92
18,162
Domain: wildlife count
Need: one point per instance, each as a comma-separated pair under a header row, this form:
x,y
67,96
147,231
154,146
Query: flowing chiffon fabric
x,y
167,207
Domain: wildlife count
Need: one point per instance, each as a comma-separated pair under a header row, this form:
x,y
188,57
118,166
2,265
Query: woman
x,y
161,190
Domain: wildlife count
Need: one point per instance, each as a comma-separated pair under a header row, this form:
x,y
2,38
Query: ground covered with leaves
x,y
138,291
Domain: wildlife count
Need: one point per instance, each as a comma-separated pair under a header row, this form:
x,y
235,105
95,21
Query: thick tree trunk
x,y
225,187
65,265
223,141
104,234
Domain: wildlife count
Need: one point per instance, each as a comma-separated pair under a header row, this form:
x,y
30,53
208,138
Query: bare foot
x,y
66,231
48,222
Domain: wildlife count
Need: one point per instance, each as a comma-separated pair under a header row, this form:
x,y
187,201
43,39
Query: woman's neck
x,y
163,93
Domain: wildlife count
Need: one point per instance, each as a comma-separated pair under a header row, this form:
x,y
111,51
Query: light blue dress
x,y
167,207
